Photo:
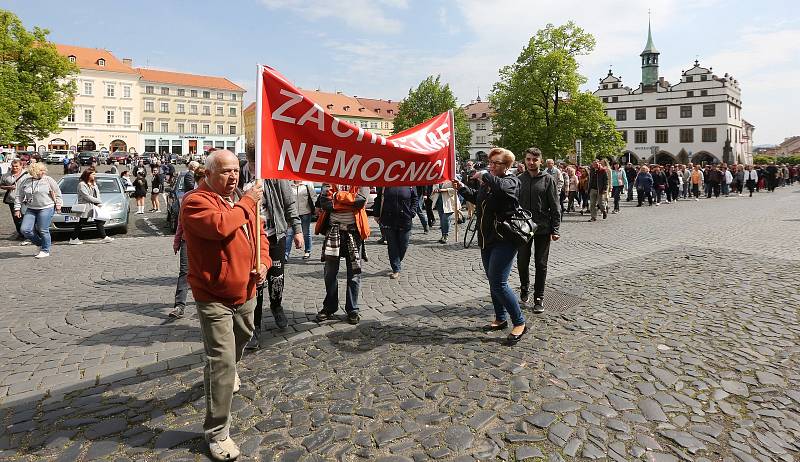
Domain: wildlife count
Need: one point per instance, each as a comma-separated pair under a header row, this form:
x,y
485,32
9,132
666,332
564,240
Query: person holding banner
x,y
496,199
442,198
225,266
395,207
344,223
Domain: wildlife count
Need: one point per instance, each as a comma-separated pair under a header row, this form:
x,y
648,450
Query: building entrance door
x,y
192,146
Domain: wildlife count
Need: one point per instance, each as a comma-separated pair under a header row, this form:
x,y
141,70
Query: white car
x,y
57,156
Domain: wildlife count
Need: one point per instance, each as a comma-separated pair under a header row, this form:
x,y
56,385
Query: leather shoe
x,y
493,327
538,305
324,315
514,339
280,317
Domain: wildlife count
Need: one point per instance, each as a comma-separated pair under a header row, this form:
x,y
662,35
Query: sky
x,y
383,48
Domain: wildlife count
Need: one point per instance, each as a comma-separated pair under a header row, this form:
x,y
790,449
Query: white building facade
x,y
479,117
697,120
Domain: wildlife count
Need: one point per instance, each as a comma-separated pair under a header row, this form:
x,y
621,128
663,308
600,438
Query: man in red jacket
x,y
220,227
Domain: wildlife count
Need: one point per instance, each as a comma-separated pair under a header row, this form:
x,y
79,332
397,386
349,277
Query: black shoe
x,y
353,317
538,305
443,240
280,317
523,294
514,339
493,327
253,343
324,315
605,214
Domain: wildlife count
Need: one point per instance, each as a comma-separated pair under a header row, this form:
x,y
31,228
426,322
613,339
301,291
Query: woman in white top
x,y
305,198
38,199
442,198
88,199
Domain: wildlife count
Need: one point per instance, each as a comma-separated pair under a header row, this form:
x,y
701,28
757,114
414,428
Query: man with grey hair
x,y
188,178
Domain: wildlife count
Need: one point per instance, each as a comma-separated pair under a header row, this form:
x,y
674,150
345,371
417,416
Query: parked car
x,y
102,158
174,193
87,157
113,194
118,156
57,156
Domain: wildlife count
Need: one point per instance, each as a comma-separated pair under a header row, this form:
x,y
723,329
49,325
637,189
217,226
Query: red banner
x,y
297,140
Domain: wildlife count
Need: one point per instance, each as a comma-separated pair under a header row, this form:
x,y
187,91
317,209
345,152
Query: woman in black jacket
x,y
395,207
496,200
659,183
673,184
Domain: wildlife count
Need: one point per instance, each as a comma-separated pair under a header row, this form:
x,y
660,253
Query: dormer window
x,y
330,106
101,62
346,108
72,58
361,109
483,115
390,111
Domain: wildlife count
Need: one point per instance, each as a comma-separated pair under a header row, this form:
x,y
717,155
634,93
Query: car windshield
x,y
69,185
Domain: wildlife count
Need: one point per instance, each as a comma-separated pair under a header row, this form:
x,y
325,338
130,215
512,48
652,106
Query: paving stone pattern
x,y
684,347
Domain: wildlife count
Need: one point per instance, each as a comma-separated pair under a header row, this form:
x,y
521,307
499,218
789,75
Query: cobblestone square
x,y
670,333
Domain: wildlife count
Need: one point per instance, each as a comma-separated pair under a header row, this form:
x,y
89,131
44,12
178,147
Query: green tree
x,y
428,100
36,88
537,101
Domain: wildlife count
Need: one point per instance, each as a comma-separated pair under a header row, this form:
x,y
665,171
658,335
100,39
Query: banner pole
x,y
456,208
257,147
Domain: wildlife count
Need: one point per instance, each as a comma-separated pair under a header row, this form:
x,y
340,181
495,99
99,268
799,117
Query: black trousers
x,y
712,188
631,181
645,193
541,253
99,225
429,212
17,221
616,192
277,252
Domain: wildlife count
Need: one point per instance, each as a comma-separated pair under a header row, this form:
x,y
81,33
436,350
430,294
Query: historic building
x,y
479,117
189,114
106,108
699,119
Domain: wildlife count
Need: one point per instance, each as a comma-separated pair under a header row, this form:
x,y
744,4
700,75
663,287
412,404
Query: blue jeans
x,y
444,218
497,262
397,240
41,219
421,214
305,222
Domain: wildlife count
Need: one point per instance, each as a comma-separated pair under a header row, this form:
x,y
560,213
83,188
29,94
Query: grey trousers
x,y
225,331
596,198
182,287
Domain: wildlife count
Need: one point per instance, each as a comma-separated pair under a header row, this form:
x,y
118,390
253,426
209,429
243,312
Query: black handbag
x,y
517,229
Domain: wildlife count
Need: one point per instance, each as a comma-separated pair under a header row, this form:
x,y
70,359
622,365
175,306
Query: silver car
x,y
113,194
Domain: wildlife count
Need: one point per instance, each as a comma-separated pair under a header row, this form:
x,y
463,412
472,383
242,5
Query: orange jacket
x,y
221,254
344,201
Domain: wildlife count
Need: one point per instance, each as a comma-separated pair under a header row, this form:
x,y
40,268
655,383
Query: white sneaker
x,y
224,450
75,242
42,254
24,243
237,383
107,239
696,199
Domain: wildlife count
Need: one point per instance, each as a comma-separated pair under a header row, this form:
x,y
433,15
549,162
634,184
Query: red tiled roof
x,y
190,80
479,109
88,58
386,109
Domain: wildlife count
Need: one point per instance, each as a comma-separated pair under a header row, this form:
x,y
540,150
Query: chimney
x,y
127,61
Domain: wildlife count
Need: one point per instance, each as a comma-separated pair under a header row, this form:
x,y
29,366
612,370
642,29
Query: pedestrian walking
x,y
598,190
140,192
496,200
89,197
714,180
9,183
423,218
583,189
537,194
179,247
219,227
442,197
395,208
630,173
674,180
738,180
619,183
305,197
659,183
727,180
572,188
344,224
751,179
644,186
697,178
686,180
38,199
157,186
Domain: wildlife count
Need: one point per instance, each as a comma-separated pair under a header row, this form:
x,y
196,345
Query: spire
x,y
649,48
479,95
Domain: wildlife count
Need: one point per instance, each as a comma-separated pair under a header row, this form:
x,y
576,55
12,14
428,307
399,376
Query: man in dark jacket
x,y
714,179
598,187
630,172
538,194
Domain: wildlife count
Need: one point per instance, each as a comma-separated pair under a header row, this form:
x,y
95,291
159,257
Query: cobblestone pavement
x,y
671,333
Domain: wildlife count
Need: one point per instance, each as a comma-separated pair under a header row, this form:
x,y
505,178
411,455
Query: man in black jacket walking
x,y
538,194
630,172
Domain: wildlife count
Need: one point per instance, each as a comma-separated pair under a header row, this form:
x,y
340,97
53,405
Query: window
x,y
624,134
193,109
687,135
232,129
181,92
194,128
101,62
661,112
148,106
640,136
232,112
220,110
364,124
622,114
71,116
703,77
165,90
373,125
110,91
686,112
72,58
480,139
149,89
206,110
605,86
661,136
87,88
703,92
164,107
180,128
481,126
220,130
689,78
710,135
220,95
193,93
605,99
148,126
179,108
206,94
641,113
709,110
164,127
205,129
126,91
615,99
233,96
109,117
87,115
689,94
126,117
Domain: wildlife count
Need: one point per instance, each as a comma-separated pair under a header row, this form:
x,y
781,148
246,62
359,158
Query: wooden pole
x,y
258,229
457,210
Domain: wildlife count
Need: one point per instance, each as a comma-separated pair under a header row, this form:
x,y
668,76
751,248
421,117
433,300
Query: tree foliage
x,y
538,103
428,100
36,91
